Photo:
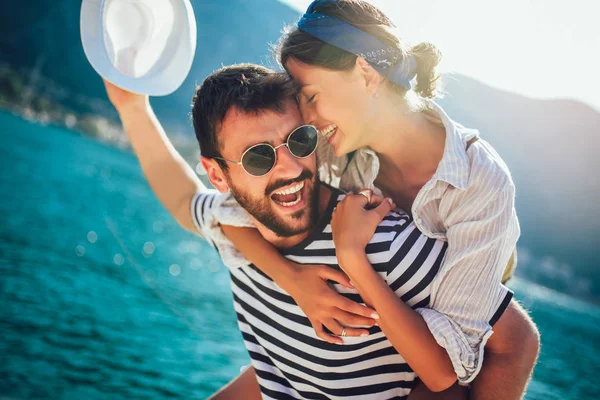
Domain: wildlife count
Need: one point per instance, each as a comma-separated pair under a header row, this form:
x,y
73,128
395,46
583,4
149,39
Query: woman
x,y
355,86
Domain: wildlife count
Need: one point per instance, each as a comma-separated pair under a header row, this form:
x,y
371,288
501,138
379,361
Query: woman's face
x,y
338,103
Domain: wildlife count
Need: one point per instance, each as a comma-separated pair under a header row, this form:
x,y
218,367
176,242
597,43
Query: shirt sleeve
x,y
209,209
467,296
350,172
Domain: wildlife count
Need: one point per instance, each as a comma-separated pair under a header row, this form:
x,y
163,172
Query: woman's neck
x,y
407,142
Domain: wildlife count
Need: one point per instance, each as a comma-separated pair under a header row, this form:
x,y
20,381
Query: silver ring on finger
x,y
367,193
343,334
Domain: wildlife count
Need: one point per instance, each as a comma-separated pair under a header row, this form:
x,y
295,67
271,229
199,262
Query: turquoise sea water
x,y
102,295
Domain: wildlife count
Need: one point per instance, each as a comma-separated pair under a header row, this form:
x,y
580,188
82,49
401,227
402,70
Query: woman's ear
x,y
215,174
371,76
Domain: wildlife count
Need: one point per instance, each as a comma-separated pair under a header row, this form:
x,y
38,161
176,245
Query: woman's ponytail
x,y
427,57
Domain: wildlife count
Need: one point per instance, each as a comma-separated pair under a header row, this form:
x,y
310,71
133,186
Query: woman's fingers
x,y
365,196
368,200
331,274
356,332
353,307
375,201
334,326
384,208
320,331
343,303
377,204
337,328
346,318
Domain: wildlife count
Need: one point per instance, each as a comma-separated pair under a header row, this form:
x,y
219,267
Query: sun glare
x,y
537,48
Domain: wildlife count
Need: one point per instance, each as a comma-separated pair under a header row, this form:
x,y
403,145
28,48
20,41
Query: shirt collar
x,y
454,168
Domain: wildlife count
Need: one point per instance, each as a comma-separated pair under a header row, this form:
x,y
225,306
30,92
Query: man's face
x,y
285,200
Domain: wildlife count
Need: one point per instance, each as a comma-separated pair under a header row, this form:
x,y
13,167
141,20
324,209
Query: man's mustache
x,y
305,174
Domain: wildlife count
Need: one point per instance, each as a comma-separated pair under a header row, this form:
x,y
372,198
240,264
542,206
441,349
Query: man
x,y
237,108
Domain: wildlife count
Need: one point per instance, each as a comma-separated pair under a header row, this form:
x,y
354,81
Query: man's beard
x,y
261,209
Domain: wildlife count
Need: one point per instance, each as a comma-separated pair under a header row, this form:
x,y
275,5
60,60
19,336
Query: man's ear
x,y
371,76
215,174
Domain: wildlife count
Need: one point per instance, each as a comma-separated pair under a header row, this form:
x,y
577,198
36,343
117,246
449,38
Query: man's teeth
x,y
291,190
292,203
327,132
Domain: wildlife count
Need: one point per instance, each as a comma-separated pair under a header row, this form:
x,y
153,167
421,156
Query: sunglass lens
x,y
303,141
259,160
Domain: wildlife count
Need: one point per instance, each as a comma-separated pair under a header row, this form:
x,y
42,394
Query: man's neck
x,y
286,242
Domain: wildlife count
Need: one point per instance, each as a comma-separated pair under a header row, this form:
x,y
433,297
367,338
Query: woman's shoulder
x,y
489,184
488,171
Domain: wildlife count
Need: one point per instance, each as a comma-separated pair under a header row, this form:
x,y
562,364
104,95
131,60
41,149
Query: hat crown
x,y
136,33
144,46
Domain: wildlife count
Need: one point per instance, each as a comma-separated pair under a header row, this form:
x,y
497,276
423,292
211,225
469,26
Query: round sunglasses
x,y
259,160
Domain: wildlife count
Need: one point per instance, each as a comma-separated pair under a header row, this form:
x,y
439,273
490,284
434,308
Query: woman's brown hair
x,y
305,48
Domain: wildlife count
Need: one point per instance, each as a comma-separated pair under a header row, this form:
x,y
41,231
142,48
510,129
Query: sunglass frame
x,y
286,143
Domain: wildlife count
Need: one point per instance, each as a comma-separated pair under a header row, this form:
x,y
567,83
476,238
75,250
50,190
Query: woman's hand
x,y
354,222
324,306
307,284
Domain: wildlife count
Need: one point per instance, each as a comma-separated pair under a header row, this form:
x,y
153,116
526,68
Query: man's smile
x,y
291,197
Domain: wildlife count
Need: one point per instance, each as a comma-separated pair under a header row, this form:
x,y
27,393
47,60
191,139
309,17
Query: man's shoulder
x,y
209,209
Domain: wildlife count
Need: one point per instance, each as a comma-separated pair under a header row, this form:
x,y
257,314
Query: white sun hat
x,y
143,46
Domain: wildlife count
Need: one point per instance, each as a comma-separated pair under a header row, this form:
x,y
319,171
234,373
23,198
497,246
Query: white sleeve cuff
x,y
466,354
464,349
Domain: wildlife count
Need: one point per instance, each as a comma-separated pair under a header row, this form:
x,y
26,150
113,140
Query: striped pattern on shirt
x,y
469,202
289,359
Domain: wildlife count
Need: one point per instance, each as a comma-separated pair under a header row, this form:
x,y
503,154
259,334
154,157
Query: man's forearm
x,y
171,178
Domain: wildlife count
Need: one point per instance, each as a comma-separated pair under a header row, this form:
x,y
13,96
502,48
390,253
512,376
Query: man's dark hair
x,y
249,88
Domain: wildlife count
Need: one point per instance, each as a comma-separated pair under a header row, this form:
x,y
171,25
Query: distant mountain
x,y
551,149
550,145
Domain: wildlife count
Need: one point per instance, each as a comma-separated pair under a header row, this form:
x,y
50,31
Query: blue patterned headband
x,y
383,58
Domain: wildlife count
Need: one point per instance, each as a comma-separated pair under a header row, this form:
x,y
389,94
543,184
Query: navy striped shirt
x,y
290,361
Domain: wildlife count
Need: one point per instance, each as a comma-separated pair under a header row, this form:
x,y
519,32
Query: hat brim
x,y
166,75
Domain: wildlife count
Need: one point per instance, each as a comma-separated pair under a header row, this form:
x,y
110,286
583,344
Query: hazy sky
x,y
539,48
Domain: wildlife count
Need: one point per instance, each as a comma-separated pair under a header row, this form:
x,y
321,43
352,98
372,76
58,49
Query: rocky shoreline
x,y
36,98
32,97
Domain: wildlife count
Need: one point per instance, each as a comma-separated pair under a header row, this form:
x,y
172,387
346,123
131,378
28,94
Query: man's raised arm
x,y
170,177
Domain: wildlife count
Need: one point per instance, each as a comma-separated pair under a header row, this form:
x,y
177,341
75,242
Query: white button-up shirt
x,y
468,202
